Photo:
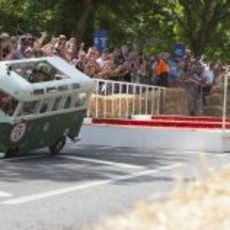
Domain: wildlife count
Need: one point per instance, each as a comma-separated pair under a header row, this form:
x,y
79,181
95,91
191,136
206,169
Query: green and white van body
x,y
45,112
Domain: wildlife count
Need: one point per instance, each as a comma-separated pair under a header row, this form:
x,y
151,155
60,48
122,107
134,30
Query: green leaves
x,y
202,24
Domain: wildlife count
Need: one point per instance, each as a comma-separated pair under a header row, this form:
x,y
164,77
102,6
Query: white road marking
x,y
213,154
35,197
123,165
5,194
23,158
223,155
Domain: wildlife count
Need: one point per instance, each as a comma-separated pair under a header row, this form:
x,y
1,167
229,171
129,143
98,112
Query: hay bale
x,y
221,87
202,204
112,106
122,105
95,103
175,102
119,105
147,103
214,99
215,111
214,104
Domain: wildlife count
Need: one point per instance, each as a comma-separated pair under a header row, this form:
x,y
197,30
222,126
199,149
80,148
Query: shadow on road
x,y
67,170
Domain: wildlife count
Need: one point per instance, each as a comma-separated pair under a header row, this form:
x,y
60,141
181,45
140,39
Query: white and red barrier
x,y
148,131
160,132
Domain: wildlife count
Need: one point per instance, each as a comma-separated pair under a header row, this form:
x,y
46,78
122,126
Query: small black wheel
x,y
57,147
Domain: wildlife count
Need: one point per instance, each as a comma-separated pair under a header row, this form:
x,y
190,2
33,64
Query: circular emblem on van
x,y
18,132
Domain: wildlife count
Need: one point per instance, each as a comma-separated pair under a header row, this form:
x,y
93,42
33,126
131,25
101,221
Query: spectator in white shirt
x,y
208,79
208,75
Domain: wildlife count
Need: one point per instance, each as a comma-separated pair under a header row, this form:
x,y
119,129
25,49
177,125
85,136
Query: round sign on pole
x,y
18,132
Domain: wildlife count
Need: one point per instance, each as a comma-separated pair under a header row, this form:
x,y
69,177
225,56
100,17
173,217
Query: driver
x,y
42,72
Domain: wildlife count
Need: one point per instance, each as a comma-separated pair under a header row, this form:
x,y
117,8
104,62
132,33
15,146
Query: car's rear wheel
x,y
57,146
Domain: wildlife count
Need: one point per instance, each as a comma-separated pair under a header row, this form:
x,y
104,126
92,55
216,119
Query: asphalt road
x,y
85,184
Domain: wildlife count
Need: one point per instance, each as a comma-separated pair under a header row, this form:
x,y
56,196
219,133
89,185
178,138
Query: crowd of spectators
x,y
121,63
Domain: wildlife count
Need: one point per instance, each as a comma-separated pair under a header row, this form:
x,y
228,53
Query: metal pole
x,y
120,91
146,100
113,98
127,100
105,100
225,103
134,98
96,96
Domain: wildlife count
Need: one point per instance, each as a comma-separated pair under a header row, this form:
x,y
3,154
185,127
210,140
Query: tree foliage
x,y
202,24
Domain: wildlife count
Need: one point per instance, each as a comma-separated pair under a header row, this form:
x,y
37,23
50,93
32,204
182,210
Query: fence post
x,y
225,103
127,100
120,89
105,101
113,89
152,99
134,98
96,96
146,100
140,91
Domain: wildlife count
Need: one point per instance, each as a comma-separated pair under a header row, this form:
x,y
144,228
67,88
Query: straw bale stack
x,y
214,103
147,103
172,101
214,99
95,103
175,102
112,106
202,204
121,105
215,110
118,105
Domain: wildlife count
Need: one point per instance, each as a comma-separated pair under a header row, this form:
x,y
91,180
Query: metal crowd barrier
x,y
118,99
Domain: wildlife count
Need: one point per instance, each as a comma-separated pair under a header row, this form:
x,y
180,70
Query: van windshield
x,y
8,104
38,71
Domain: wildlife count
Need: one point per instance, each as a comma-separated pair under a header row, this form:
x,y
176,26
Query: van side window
x,y
57,103
30,107
45,105
68,102
8,104
80,99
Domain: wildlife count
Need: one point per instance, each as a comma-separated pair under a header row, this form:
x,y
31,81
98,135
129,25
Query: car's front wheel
x,y
57,146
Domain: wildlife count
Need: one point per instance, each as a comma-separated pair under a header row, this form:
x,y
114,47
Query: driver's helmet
x,y
44,68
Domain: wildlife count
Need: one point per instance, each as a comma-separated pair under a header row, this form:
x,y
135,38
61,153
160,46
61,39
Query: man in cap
x,y
42,72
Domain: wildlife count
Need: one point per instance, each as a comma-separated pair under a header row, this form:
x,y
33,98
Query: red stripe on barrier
x,y
189,118
161,123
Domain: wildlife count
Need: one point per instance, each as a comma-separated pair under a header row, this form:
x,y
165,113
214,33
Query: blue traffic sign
x,y
100,40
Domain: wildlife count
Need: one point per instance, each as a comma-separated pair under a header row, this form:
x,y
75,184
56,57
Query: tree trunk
x,y
81,22
199,43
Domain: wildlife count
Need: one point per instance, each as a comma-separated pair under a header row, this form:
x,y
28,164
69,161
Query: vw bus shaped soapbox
x,y
42,102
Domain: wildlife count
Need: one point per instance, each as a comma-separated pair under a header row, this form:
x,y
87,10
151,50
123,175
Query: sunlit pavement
x,y
84,184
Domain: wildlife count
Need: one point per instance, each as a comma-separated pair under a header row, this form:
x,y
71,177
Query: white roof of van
x,y
19,87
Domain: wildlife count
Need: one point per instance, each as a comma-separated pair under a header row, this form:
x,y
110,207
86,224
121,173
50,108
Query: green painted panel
x,y
40,132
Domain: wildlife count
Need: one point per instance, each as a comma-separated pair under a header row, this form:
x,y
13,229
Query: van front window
x,y
37,71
